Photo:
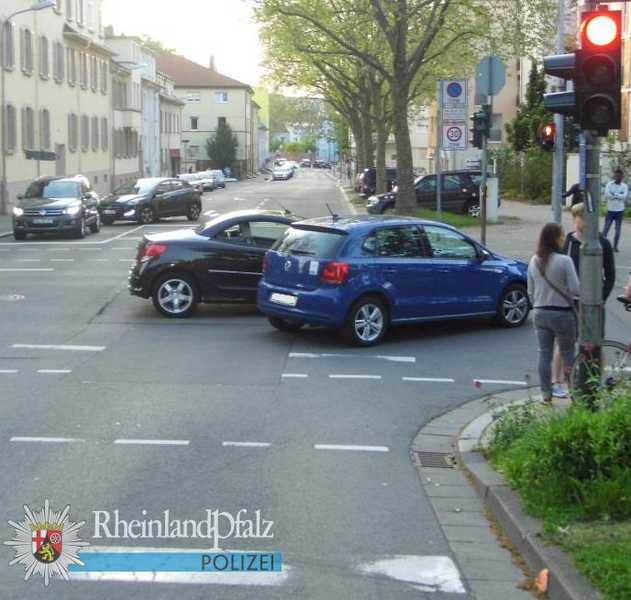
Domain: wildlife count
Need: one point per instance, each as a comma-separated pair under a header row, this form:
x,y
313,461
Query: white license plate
x,y
109,211
43,221
284,299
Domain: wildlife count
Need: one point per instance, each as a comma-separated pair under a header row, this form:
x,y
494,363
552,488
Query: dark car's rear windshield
x,y
310,242
53,189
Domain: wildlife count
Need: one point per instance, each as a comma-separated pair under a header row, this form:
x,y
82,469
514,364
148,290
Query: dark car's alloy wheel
x,y
367,322
96,226
472,208
81,230
194,210
174,296
147,215
285,324
19,236
514,306
107,220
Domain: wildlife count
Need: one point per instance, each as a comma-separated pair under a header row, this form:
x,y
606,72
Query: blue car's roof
x,y
361,223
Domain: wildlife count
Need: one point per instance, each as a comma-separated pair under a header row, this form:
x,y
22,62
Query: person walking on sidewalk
x,y
616,194
572,248
552,286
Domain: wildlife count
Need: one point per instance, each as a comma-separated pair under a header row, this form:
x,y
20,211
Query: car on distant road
x,y
57,205
150,199
363,274
460,194
220,178
282,172
193,179
305,162
218,261
208,181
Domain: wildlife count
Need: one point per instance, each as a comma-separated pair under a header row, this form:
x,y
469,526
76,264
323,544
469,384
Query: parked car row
x,y
206,181
366,181
358,275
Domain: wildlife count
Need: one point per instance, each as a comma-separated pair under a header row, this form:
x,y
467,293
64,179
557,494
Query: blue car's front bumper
x,y
323,306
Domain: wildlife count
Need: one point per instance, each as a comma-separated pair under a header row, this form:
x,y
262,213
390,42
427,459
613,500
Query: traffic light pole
x,y
559,141
591,330
485,168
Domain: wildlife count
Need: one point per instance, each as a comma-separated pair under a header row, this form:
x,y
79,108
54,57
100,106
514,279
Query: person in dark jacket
x,y
572,248
576,192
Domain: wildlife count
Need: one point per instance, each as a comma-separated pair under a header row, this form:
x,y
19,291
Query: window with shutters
x,y
59,62
44,63
27,51
80,12
104,77
73,132
44,129
95,134
71,61
94,73
105,134
69,9
83,70
85,133
11,135
8,53
28,128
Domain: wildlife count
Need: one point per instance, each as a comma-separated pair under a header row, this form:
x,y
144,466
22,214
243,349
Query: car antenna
x,y
334,215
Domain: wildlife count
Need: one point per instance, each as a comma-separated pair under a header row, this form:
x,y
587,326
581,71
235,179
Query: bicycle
x,y
615,360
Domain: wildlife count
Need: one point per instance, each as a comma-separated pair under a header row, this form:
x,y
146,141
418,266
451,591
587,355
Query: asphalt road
x,y
128,411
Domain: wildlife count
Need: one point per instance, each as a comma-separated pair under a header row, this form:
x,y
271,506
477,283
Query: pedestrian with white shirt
x,y
616,194
552,287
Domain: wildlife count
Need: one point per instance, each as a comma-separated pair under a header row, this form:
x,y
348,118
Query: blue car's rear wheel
x,y
367,322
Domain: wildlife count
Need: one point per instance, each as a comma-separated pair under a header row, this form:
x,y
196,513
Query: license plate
x,y
284,299
109,211
43,221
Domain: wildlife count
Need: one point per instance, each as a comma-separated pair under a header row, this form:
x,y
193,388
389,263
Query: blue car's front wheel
x,y
513,307
367,322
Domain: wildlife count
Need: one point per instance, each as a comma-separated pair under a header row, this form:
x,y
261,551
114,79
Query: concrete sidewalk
x,y
481,516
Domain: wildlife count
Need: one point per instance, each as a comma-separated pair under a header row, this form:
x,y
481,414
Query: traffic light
x,y
596,70
546,136
599,70
481,126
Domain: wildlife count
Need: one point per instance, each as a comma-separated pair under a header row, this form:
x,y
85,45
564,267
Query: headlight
x,y
373,200
73,210
130,213
17,211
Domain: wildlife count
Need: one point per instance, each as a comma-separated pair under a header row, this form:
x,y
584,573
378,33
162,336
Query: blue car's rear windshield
x,y
310,242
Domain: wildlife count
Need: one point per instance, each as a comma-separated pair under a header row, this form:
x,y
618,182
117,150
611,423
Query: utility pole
x,y
439,148
559,121
488,109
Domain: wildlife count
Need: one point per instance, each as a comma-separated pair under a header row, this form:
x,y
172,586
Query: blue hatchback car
x,y
363,274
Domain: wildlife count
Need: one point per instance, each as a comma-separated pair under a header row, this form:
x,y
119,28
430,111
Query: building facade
x,y
210,97
57,96
170,127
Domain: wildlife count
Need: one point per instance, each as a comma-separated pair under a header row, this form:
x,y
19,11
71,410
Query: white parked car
x,y
283,172
193,179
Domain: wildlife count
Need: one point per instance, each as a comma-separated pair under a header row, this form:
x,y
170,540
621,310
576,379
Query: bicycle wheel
x,y
615,366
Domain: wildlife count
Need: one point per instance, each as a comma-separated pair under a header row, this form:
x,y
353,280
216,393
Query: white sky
x,y
197,29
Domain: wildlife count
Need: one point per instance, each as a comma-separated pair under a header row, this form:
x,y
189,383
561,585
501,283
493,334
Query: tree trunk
x,y
369,144
406,196
360,154
382,138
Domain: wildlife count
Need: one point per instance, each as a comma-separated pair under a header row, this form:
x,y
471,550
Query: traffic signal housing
x,y
481,129
546,136
595,69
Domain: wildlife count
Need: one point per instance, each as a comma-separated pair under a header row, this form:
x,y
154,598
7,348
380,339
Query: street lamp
x,y
3,182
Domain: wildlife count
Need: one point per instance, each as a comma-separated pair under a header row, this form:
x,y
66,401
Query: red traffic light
x,y
547,133
601,30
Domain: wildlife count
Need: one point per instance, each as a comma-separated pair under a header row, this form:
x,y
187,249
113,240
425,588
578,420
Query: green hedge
x,y
525,175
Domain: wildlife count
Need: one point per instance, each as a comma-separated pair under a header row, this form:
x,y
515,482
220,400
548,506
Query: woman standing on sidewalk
x,y
552,286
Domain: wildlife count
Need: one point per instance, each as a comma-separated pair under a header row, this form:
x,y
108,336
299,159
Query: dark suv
x,y
57,205
368,181
460,194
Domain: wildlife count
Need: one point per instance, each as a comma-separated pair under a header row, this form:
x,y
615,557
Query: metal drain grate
x,y
440,460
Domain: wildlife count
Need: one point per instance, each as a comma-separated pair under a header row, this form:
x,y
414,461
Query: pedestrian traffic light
x,y
546,135
481,126
599,70
596,71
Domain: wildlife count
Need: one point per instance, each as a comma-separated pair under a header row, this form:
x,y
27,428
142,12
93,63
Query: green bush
x,y
527,174
576,463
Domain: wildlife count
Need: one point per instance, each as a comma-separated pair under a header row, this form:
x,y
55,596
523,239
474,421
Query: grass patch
x,y
355,198
573,469
453,219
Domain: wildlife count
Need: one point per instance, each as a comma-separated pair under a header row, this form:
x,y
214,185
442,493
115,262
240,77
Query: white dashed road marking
x,y
128,442
26,270
430,379
59,347
344,376
500,382
351,448
247,444
8,371
295,376
402,359
47,440
54,371
64,260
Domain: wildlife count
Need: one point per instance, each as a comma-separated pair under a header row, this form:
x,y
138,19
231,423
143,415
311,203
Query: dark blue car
x,y
362,274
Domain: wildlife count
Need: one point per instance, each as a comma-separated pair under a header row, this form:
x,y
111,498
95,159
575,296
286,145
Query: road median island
x,y
558,481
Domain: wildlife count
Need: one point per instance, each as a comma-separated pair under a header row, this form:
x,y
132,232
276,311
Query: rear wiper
x,y
302,253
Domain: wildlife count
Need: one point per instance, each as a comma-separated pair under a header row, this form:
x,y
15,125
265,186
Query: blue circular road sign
x,y
454,89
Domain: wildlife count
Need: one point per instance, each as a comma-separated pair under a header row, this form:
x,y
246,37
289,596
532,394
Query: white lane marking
x,y
401,359
125,233
28,260
260,578
127,260
47,440
64,260
294,376
430,379
8,371
351,448
132,442
211,213
343,376
54,371
99,259
119,249
247,444
500,382
26,270
71,348
424,573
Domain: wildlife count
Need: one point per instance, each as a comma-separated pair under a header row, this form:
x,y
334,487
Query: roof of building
x,y
186,73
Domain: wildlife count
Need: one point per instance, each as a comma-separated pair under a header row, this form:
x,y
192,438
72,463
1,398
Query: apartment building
x,y
57,101
171,108
210,97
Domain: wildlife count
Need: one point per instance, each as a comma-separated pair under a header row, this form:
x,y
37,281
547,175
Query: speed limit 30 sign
x,y
454,136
